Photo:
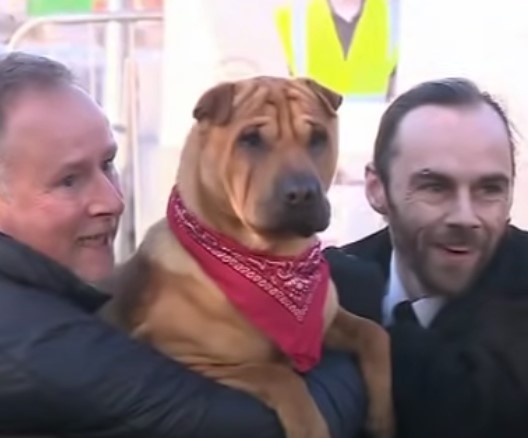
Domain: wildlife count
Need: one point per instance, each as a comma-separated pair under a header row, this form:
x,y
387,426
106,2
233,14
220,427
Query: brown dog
x,y
232,282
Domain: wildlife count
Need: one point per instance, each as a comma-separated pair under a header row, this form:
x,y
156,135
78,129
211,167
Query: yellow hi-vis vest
x,y
313,49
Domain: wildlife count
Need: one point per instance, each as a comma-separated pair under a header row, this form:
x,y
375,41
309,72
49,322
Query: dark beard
x,y
415,255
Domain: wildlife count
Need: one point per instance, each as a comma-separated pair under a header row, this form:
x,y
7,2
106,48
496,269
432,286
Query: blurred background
x,y
148,61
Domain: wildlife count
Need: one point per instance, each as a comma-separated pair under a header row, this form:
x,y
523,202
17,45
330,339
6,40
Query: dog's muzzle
x,y
301,207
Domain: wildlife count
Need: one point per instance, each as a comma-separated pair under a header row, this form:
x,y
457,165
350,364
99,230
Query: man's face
x,y
62,196
449,194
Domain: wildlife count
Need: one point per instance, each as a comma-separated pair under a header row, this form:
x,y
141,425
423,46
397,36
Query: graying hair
x,y
20,72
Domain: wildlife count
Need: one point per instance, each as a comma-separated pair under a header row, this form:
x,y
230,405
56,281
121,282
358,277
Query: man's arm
x,y
70,373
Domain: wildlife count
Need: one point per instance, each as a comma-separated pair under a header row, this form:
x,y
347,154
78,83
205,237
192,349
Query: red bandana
x,y
282,296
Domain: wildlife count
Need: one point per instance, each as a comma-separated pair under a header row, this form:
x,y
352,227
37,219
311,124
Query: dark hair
x,y
22,71
444,92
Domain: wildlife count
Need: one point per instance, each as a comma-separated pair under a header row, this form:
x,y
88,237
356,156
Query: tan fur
x,y
164,297
204,328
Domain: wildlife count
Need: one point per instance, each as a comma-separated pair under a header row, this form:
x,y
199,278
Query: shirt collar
x,y
425,308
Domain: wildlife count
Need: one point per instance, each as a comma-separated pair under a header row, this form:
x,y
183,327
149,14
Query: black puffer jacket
x,y
64,372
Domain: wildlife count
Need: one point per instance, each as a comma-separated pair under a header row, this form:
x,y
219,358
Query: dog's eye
x,y
252,140
318,139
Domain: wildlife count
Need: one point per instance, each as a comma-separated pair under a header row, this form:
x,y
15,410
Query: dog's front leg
x,y
371,344
281,389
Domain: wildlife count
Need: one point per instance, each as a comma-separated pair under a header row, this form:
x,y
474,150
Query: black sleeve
x,y
472,386
65,372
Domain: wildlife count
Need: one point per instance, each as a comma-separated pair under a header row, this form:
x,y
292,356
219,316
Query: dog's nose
x,y
300,190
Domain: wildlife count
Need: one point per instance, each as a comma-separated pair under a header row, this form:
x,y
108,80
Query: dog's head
x,y
267,153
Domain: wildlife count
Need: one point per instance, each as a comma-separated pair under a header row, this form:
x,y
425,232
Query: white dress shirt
x,y
424,308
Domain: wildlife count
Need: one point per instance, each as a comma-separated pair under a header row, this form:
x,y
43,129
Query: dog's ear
x,y
216,104
330,99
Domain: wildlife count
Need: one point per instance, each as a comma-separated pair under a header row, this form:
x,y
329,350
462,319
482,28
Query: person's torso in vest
x,y
370,59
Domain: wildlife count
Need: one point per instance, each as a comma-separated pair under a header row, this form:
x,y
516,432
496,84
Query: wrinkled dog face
x,y
270,148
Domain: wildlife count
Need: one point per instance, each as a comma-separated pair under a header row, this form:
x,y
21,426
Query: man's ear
x,y
375,190
216,104
330,99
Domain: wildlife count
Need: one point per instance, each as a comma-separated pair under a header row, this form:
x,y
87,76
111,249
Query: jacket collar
x,y
23,265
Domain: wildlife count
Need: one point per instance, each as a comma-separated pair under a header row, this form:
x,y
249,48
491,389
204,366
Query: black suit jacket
x,y
466,376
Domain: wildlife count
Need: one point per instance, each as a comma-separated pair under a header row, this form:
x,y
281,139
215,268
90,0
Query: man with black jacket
x,y
456,272
63,372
